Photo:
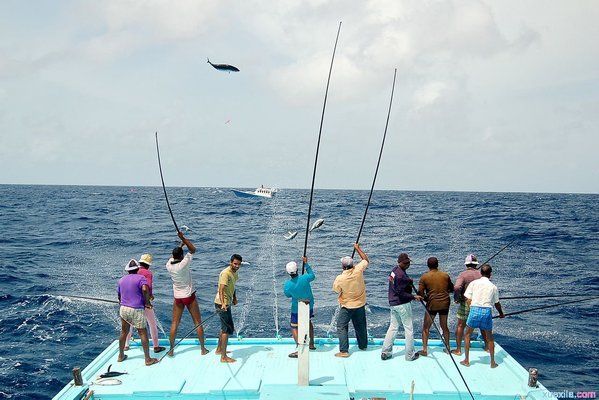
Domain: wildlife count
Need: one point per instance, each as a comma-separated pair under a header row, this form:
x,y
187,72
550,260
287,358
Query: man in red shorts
x,y
184,292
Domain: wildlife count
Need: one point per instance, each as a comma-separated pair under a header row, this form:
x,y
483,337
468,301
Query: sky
x,y
490,95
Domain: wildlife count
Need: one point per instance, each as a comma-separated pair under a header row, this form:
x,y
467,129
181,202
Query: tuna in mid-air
x,y
317,224
224,67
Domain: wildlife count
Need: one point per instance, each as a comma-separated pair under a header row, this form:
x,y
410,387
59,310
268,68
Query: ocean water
x,y
69,240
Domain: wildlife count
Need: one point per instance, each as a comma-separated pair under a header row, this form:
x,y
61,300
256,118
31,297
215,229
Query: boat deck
x,y
264,371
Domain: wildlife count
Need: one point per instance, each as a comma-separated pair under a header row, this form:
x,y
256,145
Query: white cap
x,y
471,260
291,267
132,265
347,262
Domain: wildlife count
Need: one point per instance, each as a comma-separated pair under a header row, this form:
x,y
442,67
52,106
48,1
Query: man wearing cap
x,y
145,262
226,297
435,287
299,289
351,288
183,292
134,296
481,296
400,297
461,284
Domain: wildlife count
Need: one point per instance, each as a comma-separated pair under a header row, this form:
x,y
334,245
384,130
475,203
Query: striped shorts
x,y
480,317
134,316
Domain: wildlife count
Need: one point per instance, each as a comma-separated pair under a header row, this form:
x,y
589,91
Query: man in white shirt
x,y
184,292
481,296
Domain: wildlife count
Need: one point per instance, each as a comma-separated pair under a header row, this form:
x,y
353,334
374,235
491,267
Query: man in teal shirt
x,y
298,288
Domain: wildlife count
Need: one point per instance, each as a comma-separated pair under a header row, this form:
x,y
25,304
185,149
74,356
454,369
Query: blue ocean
x,y
75,240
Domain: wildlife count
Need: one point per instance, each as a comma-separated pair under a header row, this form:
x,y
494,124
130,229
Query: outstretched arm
x,y
187,242
499,309
362,255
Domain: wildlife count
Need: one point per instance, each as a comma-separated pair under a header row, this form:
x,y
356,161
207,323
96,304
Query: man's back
x,y
436,286
464,279
482,292
351,286
130,290
181,275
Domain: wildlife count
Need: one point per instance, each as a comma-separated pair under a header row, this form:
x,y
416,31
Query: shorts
x,y
480,317
185,301
294,318
463,311
226,319
440,312
134,316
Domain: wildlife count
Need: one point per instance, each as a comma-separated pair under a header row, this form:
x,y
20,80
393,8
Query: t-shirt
x,y
482,292
228,278
435,287
299,288
181,276
129,288
351,286
464,279
148,275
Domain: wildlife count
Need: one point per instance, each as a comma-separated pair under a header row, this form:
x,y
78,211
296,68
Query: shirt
x,y
435,286
482,292
299,288
400,287
129,290
148,275
181,276
464,279
228,278
351,286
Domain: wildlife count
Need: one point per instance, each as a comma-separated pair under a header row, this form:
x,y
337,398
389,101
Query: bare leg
x,y
128,337
194,310
312,347
224,340
294,334
466,360
177,312
145,344
445,329
484,335
122,339
426,326
491,344
459,334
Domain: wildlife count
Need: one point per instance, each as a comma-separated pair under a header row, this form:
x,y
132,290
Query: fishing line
x,y
503,248
89,298
546,307
326,93
378,163
544,296
164,187
188,333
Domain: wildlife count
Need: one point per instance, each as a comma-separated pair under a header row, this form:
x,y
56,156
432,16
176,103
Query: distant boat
x,y
259,192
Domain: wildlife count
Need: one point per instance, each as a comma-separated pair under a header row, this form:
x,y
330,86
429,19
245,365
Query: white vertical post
x,y
303,338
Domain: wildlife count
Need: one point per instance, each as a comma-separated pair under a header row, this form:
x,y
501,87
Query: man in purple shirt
x,y
134,297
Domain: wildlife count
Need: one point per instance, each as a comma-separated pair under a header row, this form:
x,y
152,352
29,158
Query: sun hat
x,y
132,265
471,260
347,262
146,259
291,267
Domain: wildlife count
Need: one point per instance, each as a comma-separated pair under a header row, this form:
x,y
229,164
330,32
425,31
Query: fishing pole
x,y
90,298
326,94
504,247
378,163
543,296
444,343
188,333
545,307
164,187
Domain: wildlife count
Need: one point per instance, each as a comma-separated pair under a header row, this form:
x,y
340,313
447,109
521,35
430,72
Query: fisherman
x,y
481,295
184,292
400,297
435,287
461,284
299,289
351,288
145,262
134,296
225,298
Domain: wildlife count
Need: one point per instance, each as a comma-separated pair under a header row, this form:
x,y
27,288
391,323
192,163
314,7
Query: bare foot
x,y
227,359
494,365
151,361
456,352
342,354
205,351
465,363
220,352
487,350
423,353
123,358
126,348
171,353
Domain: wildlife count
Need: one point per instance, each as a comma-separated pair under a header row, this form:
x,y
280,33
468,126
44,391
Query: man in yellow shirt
x,y
225,298
352,299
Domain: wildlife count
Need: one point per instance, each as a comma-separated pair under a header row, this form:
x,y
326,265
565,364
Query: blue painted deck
x,y
263,371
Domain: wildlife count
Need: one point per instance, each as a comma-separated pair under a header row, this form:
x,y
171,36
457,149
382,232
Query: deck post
x,y
303,338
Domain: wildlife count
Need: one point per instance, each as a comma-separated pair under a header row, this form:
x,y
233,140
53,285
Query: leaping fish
x,y
224,67
317,224
290,235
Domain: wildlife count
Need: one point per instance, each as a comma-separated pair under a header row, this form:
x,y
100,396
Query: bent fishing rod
x,y
503,248
188,333
378,163
163,186
326,94
546,307
444,342
89,298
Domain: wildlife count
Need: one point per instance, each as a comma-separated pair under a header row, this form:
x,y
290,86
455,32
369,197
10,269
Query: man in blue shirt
x,y
298,288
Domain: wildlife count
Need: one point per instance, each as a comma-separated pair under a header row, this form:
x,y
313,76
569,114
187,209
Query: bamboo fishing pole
x,y
188,333
503,248
326,93
163,186
378,163
546,307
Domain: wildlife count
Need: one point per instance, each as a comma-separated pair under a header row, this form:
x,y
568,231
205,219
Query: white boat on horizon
x,y
259,192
